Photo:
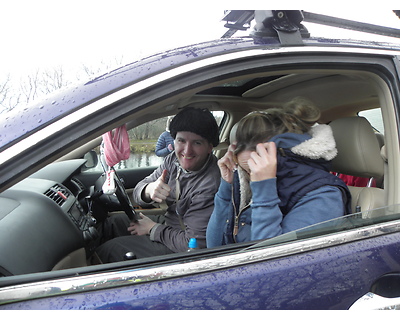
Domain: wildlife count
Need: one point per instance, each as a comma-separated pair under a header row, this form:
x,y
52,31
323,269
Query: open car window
x,y
143,140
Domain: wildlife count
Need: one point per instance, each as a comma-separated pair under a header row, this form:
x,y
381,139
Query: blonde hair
x,y
296,116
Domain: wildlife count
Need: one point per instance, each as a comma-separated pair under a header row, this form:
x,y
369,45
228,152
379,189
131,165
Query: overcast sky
x,y
50,33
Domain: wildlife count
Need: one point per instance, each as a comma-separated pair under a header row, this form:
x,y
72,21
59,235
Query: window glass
x,y
374,116
348,222
143,140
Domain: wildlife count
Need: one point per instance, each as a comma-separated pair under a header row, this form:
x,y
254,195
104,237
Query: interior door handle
x,y
372,301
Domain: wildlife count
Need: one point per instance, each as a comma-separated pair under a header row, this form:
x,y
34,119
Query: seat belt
x,y
177,195
164,206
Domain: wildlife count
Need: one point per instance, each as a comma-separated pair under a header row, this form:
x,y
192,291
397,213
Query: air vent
x,y
58,194
78,183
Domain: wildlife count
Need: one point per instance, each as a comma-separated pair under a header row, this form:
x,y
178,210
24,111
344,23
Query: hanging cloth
x,y
116,145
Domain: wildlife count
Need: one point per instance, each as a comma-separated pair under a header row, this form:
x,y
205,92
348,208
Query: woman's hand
x,y
227,164
263,162
142,226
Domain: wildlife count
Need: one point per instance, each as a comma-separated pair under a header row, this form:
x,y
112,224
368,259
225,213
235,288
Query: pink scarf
x,y
116,145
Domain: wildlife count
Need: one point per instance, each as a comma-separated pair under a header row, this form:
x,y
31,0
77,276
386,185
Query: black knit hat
x,y
198,121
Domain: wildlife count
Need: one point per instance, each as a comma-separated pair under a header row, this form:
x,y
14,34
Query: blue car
x,y
49,169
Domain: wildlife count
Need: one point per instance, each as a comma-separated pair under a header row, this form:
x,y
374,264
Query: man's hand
x,y
227,164
158,190
263,162
142,226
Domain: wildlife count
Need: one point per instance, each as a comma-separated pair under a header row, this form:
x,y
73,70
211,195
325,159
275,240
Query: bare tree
x,y
33,86
43,82
52,80
5,93
29,88
103,66
148,131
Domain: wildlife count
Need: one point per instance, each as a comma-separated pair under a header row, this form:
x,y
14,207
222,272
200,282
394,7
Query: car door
x,y
329,266
299,270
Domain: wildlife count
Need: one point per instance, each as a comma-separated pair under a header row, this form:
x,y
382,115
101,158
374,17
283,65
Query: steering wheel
x,y
124,200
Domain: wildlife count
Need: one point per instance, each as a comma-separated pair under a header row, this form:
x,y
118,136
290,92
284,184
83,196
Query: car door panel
x,y
131,177
330,278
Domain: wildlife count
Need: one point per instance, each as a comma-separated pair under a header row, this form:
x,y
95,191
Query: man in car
x,y
184,184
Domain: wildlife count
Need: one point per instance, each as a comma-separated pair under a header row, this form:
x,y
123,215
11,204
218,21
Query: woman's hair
x,y
297,116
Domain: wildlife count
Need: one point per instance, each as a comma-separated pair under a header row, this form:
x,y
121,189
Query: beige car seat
x,y
359,154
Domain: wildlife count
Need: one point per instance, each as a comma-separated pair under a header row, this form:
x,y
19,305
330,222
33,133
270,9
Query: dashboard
x,y
44,222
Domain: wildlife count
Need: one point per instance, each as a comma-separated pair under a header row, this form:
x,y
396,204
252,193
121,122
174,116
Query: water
x,y
140,160
137,160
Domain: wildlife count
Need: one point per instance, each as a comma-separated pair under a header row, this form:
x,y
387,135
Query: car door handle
x,y
384,294
372,301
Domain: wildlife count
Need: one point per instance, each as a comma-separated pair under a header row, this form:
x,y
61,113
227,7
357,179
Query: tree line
x,y
148,131
17,92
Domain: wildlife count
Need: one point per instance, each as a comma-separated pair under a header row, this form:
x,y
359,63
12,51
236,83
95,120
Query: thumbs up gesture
x,y
158,190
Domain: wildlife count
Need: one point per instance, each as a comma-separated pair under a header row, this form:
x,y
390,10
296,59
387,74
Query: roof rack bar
x,y
237,20
350,24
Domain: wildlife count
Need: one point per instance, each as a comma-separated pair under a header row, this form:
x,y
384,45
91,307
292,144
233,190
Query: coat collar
x,y
319,143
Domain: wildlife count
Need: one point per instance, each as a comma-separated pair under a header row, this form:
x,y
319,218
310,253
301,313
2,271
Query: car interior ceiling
x,y
338,94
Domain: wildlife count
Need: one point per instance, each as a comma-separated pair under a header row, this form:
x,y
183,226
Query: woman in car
x,y
275,177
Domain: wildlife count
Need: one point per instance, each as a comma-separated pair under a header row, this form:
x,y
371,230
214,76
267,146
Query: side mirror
x,y
91,159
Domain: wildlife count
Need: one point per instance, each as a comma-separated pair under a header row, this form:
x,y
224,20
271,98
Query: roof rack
x,y
287,26
237,20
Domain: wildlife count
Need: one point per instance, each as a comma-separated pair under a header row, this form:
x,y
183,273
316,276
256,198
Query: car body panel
x,y
335,283
339,269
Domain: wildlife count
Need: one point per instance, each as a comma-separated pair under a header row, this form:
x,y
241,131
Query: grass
x,y
143,146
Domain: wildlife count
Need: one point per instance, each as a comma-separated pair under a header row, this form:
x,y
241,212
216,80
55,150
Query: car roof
x,y
27,119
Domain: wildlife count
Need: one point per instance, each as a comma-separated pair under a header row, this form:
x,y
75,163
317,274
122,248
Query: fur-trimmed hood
x,y
319,143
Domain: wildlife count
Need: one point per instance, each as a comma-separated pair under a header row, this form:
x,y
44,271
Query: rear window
x,y
374,116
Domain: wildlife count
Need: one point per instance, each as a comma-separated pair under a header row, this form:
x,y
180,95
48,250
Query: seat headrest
x,y
232,136
358,148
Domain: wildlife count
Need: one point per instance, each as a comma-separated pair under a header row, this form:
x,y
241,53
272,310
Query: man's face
x,y
191,150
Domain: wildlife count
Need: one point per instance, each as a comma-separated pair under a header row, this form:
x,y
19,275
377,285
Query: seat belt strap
x,y
177,195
